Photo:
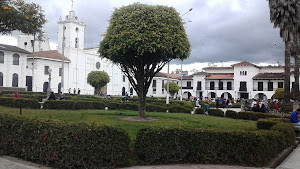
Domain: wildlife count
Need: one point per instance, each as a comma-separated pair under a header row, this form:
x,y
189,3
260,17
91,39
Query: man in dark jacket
x,y
294,118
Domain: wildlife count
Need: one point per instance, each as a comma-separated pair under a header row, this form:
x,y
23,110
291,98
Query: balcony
x,y
264,89
217,88
187,87
243,89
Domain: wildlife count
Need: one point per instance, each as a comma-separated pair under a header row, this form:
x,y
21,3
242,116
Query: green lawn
x,y
111,117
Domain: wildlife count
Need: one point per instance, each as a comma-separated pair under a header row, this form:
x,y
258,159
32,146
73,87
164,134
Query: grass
x,y
111,118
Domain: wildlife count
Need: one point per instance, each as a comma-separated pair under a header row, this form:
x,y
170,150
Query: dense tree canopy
x,y
18,15
285,14
142,39
173,88
98,79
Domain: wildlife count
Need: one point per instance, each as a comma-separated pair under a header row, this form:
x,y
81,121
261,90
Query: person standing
x,y
78,91
16,95
74,90
275,107
69,90
217,102
294,118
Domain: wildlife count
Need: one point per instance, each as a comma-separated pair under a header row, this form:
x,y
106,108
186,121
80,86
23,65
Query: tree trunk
x,y
286,106
142,99
296,87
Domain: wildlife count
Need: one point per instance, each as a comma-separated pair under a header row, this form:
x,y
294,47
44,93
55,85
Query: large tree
x,y
142,39
98,79
18,15
173,88
285,14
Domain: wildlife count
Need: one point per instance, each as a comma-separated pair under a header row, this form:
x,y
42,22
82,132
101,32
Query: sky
x,y
221,32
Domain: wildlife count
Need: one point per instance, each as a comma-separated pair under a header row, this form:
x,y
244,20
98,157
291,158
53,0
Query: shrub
x,y
162,146
231,114
288,130
216,112
153,107
62,144
60,104
267,124
255,116
199,110
178,109
24,103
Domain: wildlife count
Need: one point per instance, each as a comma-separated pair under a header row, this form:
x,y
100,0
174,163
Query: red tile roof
x,y
221,76
217,68
274,76
244,63
51,54
173,76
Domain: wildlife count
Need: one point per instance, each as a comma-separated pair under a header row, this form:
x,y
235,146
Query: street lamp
x,y
49,82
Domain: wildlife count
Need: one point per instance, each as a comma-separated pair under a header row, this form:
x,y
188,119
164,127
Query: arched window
x,y
123,91
1,79
16,58
98,65
59,87
131,91
76,42
1,57
15,80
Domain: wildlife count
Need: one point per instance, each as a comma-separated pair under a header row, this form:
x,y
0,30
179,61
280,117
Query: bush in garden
x,y
216,112
231,114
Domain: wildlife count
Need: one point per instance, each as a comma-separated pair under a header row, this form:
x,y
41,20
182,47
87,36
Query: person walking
x,y
276,108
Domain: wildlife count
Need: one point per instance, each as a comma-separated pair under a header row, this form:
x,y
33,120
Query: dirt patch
x,y
138,119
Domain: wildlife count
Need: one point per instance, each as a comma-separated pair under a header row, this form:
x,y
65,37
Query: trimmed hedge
x,y
163,146
216,112
255,116
35,97
62,144
231,114
199,110
24,103
267,124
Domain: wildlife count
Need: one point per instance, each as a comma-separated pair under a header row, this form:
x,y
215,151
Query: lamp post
x,y
49,83
63,59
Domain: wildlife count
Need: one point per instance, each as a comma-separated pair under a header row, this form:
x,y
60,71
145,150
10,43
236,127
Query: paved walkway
x,y
292,161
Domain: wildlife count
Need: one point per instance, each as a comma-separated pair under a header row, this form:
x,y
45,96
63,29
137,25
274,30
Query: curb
x,y
283,155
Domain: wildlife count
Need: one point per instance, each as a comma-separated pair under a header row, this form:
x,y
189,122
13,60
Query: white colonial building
x,y
27,66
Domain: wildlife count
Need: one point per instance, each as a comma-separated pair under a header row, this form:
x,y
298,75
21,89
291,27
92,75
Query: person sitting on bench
x,y
294,118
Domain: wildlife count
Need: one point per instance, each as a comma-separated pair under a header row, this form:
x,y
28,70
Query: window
x,y
154,83
76,42
220,85
260,86
243,73
280,84
243,86
60,72
229,86
16,58
15,80
189,84
46,71
270,86
98,65
162,84
124,78
1,57
212,86
154,90
199,85
1,79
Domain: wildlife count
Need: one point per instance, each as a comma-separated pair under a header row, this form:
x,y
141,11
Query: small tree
x,y
173,88
142,39
98,79
278,94
18,15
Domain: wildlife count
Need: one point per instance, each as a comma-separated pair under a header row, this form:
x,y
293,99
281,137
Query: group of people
x,y
52,96
225,103
74,91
